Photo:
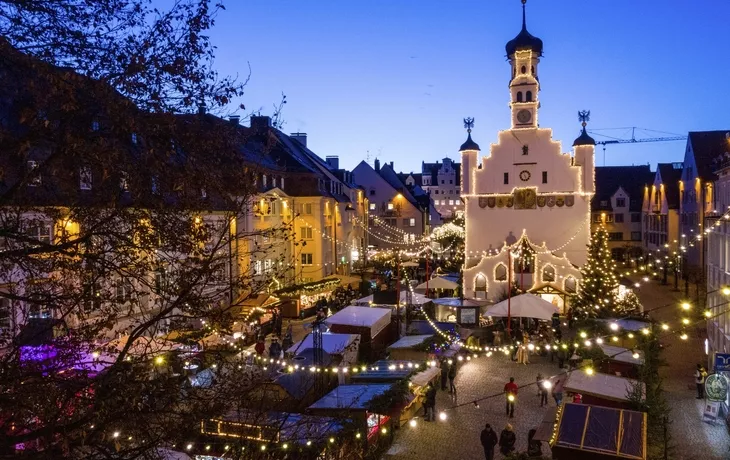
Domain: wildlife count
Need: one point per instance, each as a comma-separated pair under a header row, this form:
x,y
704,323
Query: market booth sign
x,y
716,386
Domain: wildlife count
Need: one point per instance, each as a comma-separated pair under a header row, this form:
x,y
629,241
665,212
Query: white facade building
x,y
527,204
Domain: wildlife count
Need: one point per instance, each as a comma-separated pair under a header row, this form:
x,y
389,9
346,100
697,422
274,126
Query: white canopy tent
x,y
524,306
438,282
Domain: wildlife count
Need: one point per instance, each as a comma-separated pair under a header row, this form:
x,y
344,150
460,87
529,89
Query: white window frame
x,y
41,232
306,259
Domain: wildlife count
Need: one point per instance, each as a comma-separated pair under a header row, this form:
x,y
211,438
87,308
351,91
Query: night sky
x,y
395,78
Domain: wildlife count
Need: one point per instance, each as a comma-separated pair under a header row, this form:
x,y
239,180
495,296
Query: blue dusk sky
x,y
393,79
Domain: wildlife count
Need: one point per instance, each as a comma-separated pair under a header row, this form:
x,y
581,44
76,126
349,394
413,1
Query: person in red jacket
x,y
510,391
260,347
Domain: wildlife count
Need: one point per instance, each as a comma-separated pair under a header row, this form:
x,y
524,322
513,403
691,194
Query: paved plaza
x,y
692,438
458,436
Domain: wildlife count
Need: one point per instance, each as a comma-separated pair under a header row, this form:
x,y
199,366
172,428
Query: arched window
x,y
524,69
528,97
480,286
571,285
519,96
548,274
500,272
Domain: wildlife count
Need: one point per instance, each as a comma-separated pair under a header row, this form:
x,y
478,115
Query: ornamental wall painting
x,y
491,201
569,200
501,201
560,201
483,202
530,198
550,201
541,201
525,198
510,201
519,196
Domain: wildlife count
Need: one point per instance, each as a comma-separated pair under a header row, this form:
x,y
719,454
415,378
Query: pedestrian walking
x,y
444,374
510,391
452,376
430,403
542,390
534,447
558,391
489,440
288,337
700,375
507,440
570,318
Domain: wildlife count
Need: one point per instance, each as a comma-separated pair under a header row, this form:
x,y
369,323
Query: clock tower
x,y
526,203
524,52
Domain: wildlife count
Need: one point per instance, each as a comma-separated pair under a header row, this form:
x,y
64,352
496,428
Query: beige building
x,y
660,209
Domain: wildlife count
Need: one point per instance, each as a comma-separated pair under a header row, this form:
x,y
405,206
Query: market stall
x,y
410,348
465,312
418,386
372,324
298,301
344,346
621,361
584,431
600,389
352,401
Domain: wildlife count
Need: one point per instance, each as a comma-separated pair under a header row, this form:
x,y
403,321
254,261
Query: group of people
x,y
506,441
276,348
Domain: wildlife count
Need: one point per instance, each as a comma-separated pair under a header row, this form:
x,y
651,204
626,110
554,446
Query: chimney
x,y
377,165
260,121
391,166
201,108
300,137
234,119
333,161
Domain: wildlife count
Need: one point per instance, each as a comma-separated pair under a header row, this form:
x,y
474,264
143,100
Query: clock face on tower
x,y
524,116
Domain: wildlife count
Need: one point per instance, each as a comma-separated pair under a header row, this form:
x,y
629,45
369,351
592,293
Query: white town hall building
x,y
527,204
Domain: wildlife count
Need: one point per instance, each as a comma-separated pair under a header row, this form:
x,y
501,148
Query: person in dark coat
x,y
430,403
444,374
274,349
489,440
507,440
562,356
534,447
452,376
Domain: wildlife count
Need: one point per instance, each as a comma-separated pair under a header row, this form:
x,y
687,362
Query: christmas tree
x,y
598,291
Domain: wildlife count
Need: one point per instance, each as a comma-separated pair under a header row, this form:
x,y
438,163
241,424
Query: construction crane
x,y
633,139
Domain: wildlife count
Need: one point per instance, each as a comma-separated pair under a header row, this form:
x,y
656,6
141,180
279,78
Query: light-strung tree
x,y
124,214
599,284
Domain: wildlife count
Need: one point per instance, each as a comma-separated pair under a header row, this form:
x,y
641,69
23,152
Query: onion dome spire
x,y
469,144
524,40
584,139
